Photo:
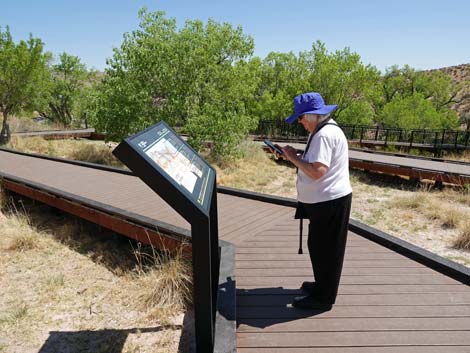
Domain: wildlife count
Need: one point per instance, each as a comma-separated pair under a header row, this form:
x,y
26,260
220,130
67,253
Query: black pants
x,y
327,235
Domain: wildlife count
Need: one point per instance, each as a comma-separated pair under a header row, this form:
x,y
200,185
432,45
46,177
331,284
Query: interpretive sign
x,y
181,164
173,170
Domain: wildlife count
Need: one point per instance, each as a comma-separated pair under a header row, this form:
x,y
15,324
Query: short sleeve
x,y
320,150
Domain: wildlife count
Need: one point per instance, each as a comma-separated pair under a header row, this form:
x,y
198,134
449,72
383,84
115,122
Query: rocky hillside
x,y
458,73
461,74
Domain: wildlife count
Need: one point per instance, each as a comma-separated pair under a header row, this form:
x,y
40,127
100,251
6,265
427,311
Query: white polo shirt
x,y
329,147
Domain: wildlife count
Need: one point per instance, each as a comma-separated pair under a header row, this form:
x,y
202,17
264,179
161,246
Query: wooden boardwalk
x,y
438,165
386,303
455,172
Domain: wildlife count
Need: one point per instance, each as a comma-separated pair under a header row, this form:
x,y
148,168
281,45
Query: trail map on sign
x,y
178,166
184,166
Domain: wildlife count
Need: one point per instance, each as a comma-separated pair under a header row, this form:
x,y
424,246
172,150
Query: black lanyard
x,y
310,138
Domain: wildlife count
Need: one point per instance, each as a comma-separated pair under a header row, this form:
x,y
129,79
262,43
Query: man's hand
x,y
289,153
278,155
313,170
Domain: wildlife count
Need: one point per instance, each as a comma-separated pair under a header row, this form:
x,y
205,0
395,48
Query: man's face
x,y
309,122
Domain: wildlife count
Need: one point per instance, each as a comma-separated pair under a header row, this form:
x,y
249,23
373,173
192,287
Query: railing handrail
x,y
436,138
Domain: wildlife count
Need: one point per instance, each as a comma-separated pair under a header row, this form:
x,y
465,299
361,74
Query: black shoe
x,y
312,302
311,288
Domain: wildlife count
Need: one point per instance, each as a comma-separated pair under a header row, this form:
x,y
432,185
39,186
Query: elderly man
x,y
324,196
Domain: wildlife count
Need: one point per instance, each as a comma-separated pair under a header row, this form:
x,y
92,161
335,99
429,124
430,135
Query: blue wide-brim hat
x,y
310,103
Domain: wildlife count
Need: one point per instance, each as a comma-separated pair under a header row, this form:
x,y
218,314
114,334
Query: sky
x,y
423,34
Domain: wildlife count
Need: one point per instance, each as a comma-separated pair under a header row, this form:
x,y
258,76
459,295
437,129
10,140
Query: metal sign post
x,y
171,168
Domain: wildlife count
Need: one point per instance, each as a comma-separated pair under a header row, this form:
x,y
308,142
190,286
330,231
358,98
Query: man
x,y
324,196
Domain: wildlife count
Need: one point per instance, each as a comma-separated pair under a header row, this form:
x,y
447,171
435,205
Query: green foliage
x,y
340,77
22,69
343,79
194,77
224,130
281,77
428,96
64,89
359,112
416,112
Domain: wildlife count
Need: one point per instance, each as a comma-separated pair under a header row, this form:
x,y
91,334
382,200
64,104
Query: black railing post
x,y
443,136
411,138
362,134
455,140
377,133
386,137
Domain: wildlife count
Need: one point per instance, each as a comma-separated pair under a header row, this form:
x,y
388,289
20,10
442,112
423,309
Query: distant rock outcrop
x,y
460,74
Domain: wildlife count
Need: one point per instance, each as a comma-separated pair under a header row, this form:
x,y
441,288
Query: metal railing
x,y
419,138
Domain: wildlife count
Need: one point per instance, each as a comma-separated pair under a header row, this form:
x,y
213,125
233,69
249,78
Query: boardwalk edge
x,y
438,263
225,321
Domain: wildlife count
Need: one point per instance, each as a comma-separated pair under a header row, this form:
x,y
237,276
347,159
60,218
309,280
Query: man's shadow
x,y
263,307
108,340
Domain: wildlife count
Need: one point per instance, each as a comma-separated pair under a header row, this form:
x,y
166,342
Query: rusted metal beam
x,y
415,173
116,224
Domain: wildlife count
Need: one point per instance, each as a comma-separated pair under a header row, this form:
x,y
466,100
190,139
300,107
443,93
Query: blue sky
x,y
424,34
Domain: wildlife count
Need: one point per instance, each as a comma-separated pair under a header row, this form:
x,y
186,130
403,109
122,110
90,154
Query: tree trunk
x,y
5,133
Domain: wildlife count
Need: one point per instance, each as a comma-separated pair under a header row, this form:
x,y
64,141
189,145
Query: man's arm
x,y
313,170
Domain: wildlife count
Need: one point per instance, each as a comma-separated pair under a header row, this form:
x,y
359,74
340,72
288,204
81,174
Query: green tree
x,y
343,79
432,92
281,77
86,99
416,112
67,80
195,77
22,69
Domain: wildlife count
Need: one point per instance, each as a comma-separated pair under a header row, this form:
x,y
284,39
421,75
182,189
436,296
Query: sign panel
x,y
180,164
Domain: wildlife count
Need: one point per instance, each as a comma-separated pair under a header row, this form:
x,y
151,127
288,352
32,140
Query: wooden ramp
x,y
386,303
440,170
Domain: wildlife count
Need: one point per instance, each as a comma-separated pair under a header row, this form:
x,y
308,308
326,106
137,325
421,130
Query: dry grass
x,y
31,145
17,229
71,276
15,315
95,153
417,201
22,124
165,280
256,171
433,207
81,150
463,156
463,239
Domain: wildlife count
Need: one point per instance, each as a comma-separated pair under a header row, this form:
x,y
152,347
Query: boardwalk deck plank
x,y
280,299
361,349
356,324
360,289
307,271
371,338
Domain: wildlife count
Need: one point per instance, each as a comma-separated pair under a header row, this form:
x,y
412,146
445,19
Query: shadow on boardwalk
x,y
264,307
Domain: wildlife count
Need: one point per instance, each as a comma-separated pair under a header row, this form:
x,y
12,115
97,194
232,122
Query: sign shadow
x,y
87,341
